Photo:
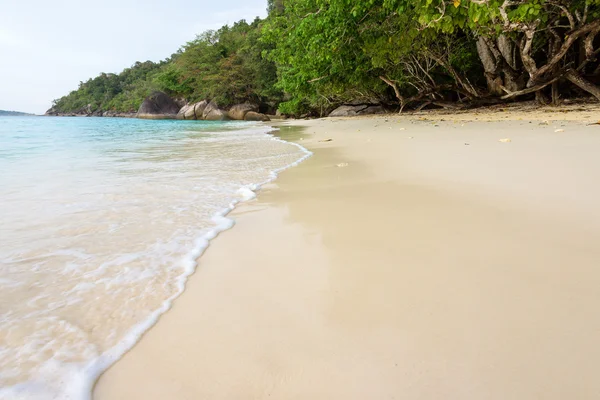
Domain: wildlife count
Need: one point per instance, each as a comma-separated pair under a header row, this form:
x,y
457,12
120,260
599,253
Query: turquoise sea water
x,y
101,220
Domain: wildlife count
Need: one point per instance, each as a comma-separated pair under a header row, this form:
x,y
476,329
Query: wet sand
x,y
410,257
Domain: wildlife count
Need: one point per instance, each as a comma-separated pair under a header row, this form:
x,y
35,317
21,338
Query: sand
x,y
412,257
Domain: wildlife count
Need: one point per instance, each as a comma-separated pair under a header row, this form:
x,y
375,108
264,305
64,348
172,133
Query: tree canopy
x,y
308,56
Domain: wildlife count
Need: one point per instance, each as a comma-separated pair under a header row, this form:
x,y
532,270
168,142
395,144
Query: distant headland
x,y
4,113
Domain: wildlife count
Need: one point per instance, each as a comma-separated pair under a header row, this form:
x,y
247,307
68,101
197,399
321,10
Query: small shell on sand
x,y
342,165
559,130
505,140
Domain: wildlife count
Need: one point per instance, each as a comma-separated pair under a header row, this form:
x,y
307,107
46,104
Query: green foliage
x,y
110,91
331,51
225,65
309,56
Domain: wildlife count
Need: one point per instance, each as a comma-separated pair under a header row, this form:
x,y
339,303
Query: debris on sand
x,y
342,165
326,140
507,140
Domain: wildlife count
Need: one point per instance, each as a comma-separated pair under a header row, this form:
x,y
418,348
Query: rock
x,y
158,106
347,111
357,109
254,116
213,113
372,110
199,108
192,111
238,112
180,101
184,112
216,115
52,112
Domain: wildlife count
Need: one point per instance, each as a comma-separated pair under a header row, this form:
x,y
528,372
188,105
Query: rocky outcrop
x,y
192,111
212,112
354,110
115,114
238,112
186,112
158,106
255,116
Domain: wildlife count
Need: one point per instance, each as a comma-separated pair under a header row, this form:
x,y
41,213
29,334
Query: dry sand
x,y
410,258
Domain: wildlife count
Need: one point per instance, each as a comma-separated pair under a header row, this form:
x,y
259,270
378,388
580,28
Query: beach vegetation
x,y
310,56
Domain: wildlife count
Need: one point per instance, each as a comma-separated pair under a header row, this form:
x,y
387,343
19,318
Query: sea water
x,y
101,222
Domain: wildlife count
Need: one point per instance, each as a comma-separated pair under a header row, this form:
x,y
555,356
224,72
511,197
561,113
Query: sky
x,y
48,47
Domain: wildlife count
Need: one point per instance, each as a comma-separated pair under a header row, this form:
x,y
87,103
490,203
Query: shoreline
x,y
460,265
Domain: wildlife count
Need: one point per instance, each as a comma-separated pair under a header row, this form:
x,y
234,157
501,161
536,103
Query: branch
x,y
589,59
565,10
394,86
528,61
572,38
589,43
314,13
532,89
442,11
318,79
471,90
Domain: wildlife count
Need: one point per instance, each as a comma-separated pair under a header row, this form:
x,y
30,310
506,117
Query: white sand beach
x,y
412,257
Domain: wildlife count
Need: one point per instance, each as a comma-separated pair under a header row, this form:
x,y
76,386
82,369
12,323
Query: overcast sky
x,y
47,47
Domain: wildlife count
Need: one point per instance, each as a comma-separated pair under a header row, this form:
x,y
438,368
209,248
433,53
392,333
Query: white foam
x,y
75,381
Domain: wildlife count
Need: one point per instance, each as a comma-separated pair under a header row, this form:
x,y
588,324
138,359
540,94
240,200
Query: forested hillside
x,y
309,56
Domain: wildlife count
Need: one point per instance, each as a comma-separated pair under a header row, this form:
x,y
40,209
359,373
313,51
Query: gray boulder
x,y
348,111
192,111
238,112
352,110
199,108
186,112
158,106
373,109
212,112
254,116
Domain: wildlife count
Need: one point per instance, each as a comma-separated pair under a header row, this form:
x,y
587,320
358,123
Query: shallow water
x,y
101,222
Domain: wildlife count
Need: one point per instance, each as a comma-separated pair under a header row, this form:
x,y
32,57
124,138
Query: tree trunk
x,y
555,94
541,98
488,60
583,84
507,49
393,85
